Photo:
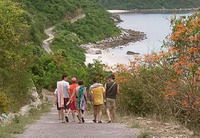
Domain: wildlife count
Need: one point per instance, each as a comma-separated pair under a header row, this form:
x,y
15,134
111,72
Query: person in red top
x,y
72,93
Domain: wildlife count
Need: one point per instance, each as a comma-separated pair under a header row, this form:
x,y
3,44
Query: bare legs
x,y
111,114
110,109
73,115
108,114
62,115
67,115
81,116
99,116
59,114
97,113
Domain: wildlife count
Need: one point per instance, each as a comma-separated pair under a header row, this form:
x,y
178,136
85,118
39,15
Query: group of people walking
x,y
73,98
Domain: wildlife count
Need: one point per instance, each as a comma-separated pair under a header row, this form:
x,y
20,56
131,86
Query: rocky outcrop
x,y
157,128
35,103
164,129
132,53
116,18
125,37
89,49
48,96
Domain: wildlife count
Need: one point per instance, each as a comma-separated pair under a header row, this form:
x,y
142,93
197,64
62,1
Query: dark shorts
x,y
66,100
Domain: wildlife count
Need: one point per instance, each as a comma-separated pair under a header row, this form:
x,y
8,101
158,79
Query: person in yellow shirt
x,y
97,92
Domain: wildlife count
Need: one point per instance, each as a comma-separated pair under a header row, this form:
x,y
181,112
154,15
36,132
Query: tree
x,y
15,52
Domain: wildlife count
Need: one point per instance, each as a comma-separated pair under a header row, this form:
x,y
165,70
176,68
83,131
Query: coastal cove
x,y
78,68
156,26
156,11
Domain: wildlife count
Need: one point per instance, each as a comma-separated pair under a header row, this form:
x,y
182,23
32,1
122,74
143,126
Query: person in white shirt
x,y
63,97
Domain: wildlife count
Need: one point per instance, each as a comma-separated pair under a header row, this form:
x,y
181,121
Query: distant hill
x,y
149,4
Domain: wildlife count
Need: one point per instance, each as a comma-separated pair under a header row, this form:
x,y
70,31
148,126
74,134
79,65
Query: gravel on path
x,y
50,127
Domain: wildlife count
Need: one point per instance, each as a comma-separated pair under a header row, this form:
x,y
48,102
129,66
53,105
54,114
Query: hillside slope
x,y
23,61
149,4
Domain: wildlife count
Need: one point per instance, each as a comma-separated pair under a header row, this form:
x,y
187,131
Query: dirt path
x,y
79,17
49,127
46,42
49,32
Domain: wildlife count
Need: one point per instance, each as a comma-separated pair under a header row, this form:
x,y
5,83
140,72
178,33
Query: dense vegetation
x,y
25,64
149,4
162,84
15,55
166,84
68,56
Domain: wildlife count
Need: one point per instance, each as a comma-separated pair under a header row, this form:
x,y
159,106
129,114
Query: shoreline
x,y
150,11
126,36
96,50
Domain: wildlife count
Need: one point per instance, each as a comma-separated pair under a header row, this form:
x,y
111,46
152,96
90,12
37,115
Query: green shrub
x,y
135,125
4,103
142,92
166,84
144,135
23,61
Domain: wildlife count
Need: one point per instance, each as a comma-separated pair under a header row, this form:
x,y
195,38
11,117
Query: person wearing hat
x,y
72,93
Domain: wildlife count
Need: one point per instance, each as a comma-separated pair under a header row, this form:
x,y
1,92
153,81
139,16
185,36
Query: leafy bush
x,y
15,53
143,91
68,57
22,31
96,71
166,83
4,103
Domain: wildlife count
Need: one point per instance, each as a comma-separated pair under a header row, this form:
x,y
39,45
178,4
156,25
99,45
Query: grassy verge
x,y
18,125
144,134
